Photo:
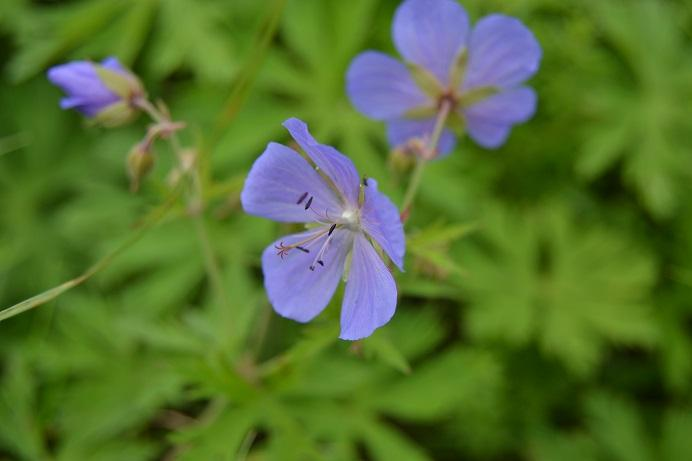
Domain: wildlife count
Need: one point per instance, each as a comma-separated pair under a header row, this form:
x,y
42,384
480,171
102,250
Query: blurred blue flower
x,y
94,89
478,71
343,215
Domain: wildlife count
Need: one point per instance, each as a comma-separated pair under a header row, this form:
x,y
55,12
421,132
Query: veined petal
x,y
381,87
380,219
431,33
489,121
334,164
295,291
370,295
488,134
280,185
503,53
401,131
511,106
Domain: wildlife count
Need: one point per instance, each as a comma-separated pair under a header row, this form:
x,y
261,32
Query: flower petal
x,y
370,295
380,219
490,120
488,134
512,106
401,131
84,89
334,164
295,291
431,33
75,77
112,63
278,180
381,87
503,53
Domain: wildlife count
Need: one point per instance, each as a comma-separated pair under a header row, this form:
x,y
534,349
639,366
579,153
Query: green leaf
x,y
556,446
571,288
382,348
387,444
49,35
430,246
220,438
176,47
675,439
617,428
635,117
454,378
21,429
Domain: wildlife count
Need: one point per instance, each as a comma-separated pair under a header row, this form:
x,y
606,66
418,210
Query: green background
x,y
546,310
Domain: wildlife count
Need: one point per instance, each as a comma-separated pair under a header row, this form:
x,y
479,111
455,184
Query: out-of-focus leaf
x,y
20,431
675,438
430,248
560,447
617,429
386,444
441,385
383,349
571,289
175,46
218,439
639,121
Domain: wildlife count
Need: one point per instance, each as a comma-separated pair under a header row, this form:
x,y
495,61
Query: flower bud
x,y
104,92
140,162
402,159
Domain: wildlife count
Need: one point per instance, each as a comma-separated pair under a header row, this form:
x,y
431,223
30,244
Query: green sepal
x,y
125,86
116,114
456,123
458,70
420,113
425,81
477,95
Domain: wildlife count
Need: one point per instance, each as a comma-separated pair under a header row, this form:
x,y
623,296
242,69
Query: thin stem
x,y
195,199
104,262
244,449
149,108
422,160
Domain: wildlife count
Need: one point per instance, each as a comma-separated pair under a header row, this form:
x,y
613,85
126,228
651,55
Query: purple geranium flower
x,y
343,216
92,88
478,72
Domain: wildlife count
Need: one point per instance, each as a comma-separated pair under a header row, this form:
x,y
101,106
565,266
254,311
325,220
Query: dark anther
x,y
302,197
312,268
331,229
321,263
304,250
307,205
365,181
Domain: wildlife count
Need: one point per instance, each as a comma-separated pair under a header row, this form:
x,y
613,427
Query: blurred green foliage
x,y
545,313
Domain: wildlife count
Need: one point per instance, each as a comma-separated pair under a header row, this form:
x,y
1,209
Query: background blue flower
x,y
478,71
85,89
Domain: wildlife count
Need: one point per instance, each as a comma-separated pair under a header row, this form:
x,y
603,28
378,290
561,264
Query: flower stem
x,y
424,157
195,200
101,264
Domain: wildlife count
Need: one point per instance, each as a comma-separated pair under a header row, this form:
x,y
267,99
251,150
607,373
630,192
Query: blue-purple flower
x,y
479,72
106,90
344,215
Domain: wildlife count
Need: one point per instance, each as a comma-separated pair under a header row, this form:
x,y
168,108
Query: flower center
x,y
350,217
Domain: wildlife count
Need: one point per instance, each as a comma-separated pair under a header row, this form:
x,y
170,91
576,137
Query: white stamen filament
x,y
320,253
